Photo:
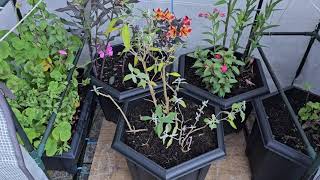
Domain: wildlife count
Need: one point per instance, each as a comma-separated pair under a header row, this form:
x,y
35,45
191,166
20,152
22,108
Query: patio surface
x,y
109,165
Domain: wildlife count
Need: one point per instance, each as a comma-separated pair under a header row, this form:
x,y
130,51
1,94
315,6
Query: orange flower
x,y
168,16
159,15
172,32
185,31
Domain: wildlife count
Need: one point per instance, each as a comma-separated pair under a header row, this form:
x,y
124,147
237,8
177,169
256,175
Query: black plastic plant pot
x,y
269,156
68,161
143,168
195,85
109,109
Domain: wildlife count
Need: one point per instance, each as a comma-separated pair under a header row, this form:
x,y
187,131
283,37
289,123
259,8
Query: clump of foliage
x,y
310,119
88,19
34,64
164,33
219,74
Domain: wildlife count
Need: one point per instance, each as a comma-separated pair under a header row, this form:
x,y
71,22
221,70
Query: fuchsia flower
x,y
107,52
217,56
203,14
62,52
222,14
186,21
216,10
224,68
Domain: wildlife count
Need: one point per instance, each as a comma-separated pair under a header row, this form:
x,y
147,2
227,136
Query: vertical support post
x,y
171,6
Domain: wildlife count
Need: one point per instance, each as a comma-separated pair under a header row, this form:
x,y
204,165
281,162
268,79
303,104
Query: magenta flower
x,y
200,14
216,10
62,52
222,14
224,68
203,14
107,52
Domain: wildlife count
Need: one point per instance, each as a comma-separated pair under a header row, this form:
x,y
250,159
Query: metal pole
x,y
309,148
306,54
288,34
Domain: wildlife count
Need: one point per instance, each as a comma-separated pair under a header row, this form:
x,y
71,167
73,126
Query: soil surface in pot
x,y
252,74
281,122
151,146
116,68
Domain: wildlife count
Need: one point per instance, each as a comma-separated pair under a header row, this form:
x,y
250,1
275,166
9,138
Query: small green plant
x,y
221,82
218,73
164,33
34,64
310,119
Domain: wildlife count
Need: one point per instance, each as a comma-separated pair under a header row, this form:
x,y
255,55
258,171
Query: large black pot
x,y
268,157
68,161
142,168
109,109
225,103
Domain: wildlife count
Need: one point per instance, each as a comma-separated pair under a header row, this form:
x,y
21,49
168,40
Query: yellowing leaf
x,y
135,61
125,34
111,25
174,74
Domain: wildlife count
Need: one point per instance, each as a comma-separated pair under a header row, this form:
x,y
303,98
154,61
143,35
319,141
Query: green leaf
x,y
5,70
145,118
235,69
232,124
175,74
4,50
130,67
111,25
51,147
220,2
127,77
18,44
135,61
125,34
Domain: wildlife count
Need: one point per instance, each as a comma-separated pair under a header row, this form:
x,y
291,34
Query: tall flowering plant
x,y
219,68
164,33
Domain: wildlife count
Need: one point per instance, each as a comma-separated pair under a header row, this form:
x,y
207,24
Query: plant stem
x,y
152,92
166,98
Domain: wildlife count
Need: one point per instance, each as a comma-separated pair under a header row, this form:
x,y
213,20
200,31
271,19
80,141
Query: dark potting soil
x,y
151,146
252,74
281,122
116,68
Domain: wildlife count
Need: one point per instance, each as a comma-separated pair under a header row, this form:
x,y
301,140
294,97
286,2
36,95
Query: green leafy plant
x,y
310,119
222,82
219,72
164,33
34,64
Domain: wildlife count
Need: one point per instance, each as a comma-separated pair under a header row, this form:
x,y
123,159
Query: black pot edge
x,y
174,172
274,145
226,103
77,141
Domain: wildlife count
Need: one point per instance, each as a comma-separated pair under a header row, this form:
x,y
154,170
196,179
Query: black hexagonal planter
x,y
185,63
142,168
268,157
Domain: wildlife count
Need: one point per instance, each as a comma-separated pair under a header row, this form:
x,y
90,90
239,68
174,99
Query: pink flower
x,y
62,52
205,15
217,56
216,10
101,54
222,14
224,68
109,51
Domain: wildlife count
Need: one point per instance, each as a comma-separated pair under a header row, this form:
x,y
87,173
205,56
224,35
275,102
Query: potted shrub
x,y
167,134
275,143
220,73
108,61
35,64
